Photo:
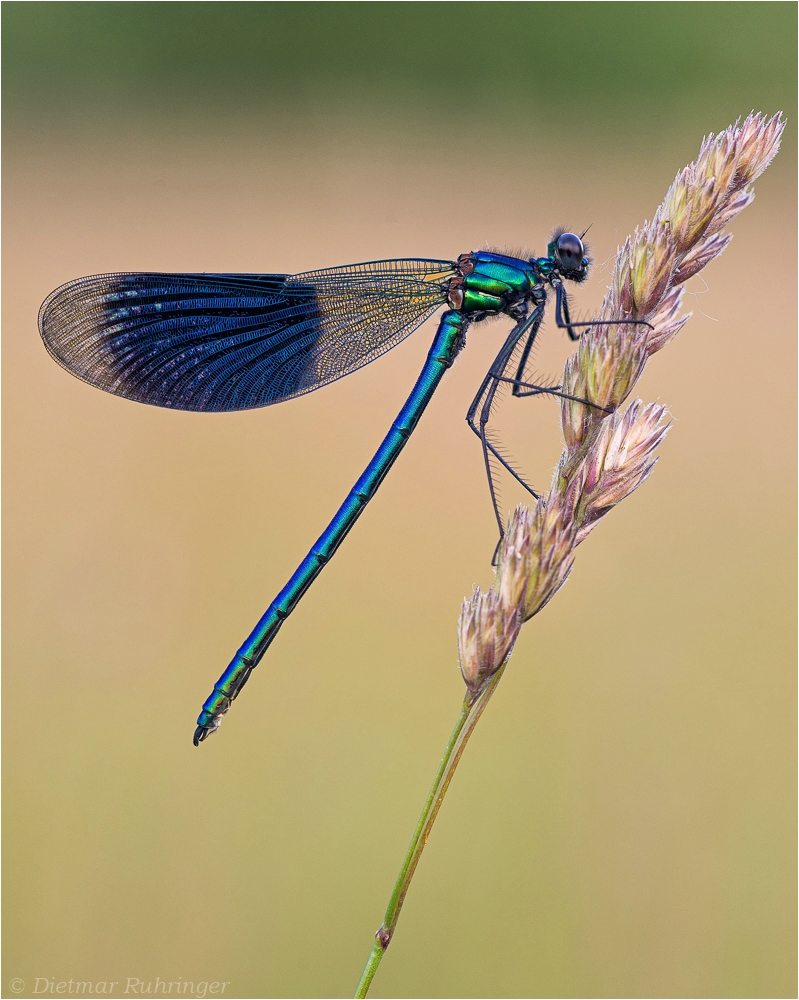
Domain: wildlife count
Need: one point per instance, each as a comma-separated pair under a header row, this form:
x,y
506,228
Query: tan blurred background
x,y
623,822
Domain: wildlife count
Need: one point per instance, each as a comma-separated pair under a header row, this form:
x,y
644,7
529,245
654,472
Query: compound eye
x,y
569,250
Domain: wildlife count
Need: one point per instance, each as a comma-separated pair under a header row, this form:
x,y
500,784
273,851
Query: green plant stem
x,y
471,710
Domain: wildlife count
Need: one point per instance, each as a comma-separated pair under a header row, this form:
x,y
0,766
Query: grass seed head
x,y
608,454
487,630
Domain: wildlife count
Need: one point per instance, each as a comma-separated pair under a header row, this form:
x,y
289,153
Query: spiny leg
x,y
526,353
565,322
484,401
492,448
548,390
486,386
562,303
522,388
562,317
485,395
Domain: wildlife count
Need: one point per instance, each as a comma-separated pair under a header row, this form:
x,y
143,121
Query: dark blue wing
x,y
235,341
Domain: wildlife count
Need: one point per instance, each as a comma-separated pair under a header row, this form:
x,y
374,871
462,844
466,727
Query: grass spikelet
x,y
609,453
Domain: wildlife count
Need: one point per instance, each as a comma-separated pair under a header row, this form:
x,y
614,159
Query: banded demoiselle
x,y
221,342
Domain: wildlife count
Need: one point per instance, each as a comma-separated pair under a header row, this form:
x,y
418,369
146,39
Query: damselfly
x,y
221,342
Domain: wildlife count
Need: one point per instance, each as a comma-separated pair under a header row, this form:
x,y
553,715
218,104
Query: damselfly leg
x,y
484,401
564,322
521,386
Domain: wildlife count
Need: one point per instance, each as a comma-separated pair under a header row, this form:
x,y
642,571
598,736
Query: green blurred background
x,y
623,821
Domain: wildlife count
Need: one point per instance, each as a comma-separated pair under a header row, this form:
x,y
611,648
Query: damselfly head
x,y
568,253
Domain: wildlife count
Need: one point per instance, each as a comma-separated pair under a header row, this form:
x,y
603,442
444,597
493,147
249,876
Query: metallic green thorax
x,y
492,283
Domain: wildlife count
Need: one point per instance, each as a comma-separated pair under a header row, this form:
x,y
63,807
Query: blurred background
x,y
623,821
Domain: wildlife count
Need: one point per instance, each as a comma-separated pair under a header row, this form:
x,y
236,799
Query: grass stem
x,y
471,710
